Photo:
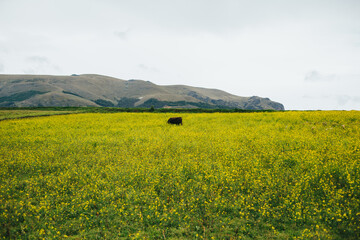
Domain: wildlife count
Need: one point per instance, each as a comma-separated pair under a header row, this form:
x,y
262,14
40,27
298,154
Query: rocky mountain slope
x,y
98,90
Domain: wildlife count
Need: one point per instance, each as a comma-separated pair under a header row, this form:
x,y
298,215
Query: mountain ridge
x,y
99,90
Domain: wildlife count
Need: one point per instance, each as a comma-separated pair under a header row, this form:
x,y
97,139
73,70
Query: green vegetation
x,y
130,102
104,103
160,104
127,102
20,96
263,175
11,114
132,109
71,93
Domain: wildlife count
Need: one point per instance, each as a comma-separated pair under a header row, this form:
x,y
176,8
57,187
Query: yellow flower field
x,y
281,175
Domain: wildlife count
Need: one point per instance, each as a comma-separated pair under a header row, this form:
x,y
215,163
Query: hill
x,y
97,90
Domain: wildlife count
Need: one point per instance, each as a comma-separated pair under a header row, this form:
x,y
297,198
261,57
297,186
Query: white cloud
x,y
315,76
123,35
38,59
39,64
344,100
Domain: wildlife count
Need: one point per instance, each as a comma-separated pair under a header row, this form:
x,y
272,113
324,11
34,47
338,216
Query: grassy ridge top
x,y
97,90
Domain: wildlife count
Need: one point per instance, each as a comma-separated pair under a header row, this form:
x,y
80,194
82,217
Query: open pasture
x,y
13,114
281,175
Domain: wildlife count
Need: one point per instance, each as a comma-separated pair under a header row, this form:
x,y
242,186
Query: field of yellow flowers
x,y
280,175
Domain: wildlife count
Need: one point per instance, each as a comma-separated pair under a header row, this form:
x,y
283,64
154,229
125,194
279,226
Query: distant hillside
x,y
98,90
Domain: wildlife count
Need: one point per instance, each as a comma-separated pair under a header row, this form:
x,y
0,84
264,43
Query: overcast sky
x,y
304,54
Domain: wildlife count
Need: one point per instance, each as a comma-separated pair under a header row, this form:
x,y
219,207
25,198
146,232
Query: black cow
x,y
176,120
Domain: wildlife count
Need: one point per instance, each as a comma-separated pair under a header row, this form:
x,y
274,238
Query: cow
x,y
175,120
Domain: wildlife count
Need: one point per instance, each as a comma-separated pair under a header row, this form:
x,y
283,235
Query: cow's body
x,y
176,120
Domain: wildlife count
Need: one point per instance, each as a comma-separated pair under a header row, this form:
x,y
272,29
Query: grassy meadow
x,y
12,114
276,175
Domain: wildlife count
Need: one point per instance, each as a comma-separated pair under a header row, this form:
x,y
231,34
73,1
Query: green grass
x,y
11,114
20,96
